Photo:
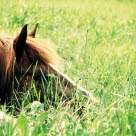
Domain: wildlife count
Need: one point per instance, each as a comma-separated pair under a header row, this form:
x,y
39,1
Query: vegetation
x,y
97,41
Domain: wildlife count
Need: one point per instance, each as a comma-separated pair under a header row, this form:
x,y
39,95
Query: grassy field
x,y
97,41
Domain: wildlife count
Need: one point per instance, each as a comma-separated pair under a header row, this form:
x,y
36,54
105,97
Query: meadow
x,y
97,42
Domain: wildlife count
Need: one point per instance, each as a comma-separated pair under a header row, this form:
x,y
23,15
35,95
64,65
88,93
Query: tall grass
x,y
97,41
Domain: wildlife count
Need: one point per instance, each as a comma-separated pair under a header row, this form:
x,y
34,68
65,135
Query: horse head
x,y
30,59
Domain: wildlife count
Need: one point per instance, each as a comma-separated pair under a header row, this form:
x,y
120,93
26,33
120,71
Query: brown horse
x,y
25,58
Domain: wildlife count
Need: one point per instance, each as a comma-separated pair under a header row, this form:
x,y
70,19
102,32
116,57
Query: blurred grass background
x,y
97,41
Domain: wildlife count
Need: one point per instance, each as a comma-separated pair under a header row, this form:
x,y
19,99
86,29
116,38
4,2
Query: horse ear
x,y
33,32
19,43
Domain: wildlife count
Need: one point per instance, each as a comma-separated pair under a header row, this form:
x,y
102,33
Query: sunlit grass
x,y
97,41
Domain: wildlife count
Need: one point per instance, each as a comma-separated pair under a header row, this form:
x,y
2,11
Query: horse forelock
x,y
44,51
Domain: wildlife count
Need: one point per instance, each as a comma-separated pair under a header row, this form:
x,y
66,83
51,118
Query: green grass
x,y
97,41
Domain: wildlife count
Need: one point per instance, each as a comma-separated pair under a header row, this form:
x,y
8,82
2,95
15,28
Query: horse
x,y
25,58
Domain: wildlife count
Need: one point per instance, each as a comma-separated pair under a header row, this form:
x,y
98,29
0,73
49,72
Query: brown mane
x,y
6,63
43,49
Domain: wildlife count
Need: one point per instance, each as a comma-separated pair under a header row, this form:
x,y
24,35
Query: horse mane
x,y
42,49
6,62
